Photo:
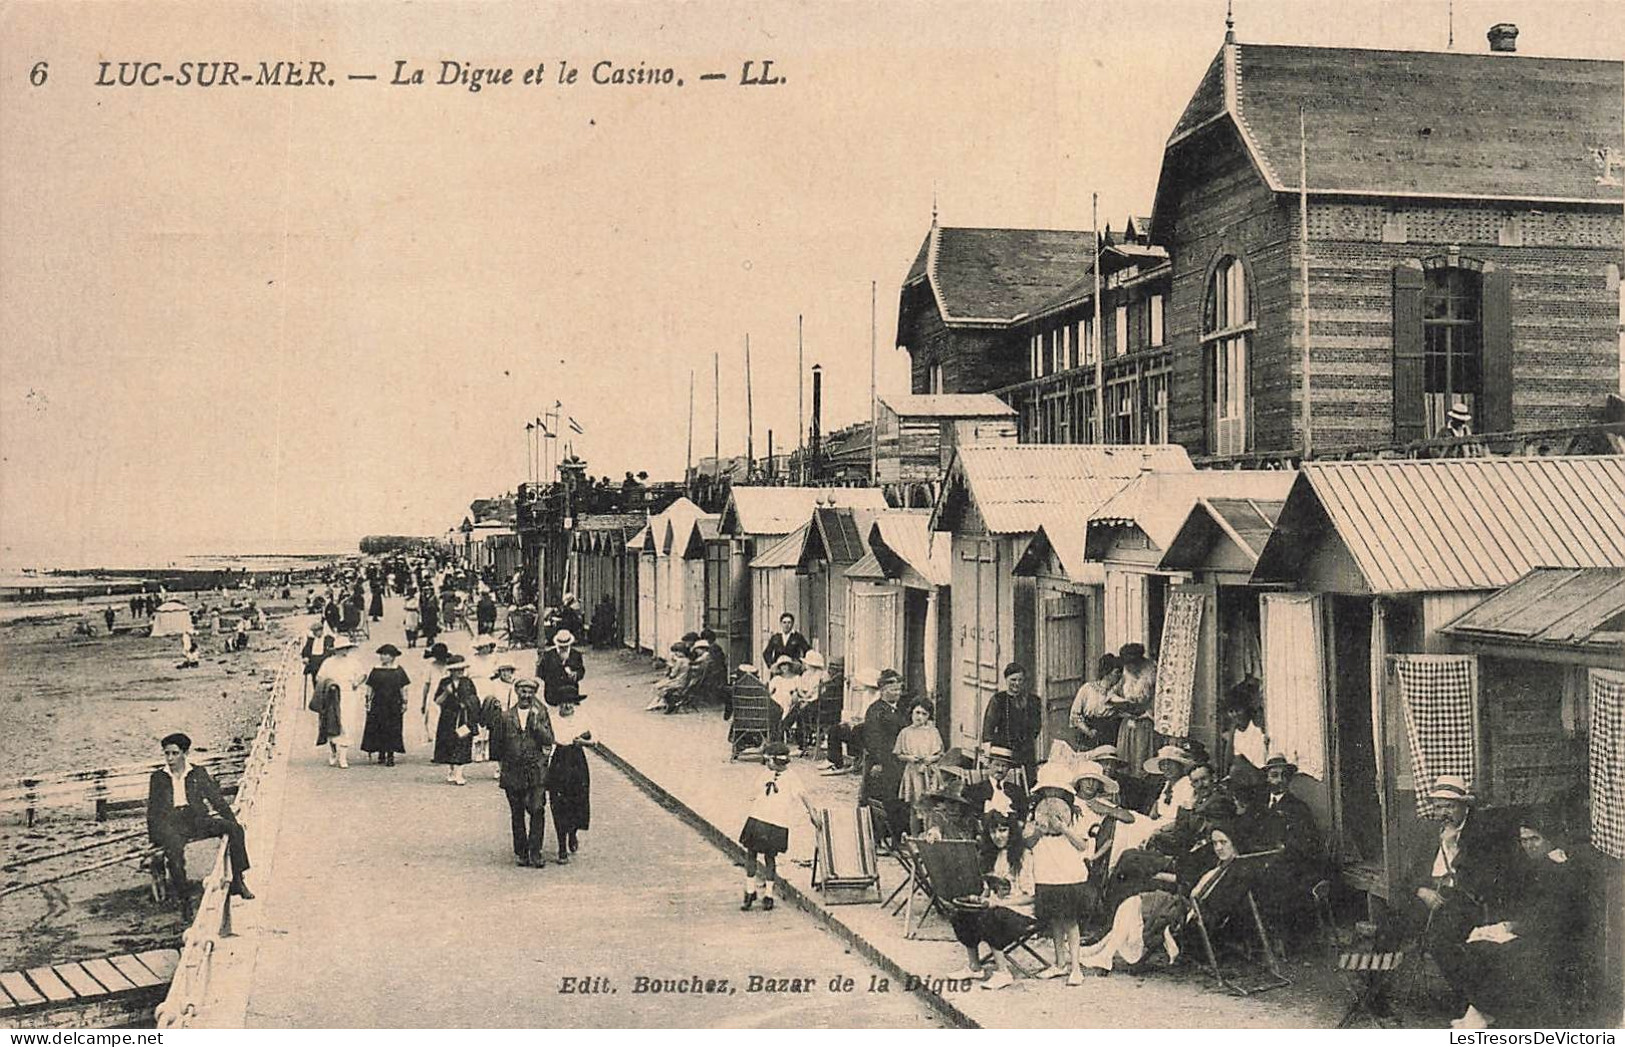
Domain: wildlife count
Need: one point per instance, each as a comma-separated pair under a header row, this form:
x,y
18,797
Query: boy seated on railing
x,y
179,799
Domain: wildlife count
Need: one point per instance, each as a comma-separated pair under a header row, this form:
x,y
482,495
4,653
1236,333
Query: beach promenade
x,y
388,898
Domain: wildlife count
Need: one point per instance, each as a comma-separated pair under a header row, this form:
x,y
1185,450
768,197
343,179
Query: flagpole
x,y
716,412
688,455
1303,277
530,465
874,441
750,417
801,414
1099,334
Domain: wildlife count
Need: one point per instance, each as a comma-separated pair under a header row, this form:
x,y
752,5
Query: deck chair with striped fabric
x,y
953,871
845,869
1235,886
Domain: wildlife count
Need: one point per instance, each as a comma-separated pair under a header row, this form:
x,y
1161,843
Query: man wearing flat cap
x,y
522,743
179,799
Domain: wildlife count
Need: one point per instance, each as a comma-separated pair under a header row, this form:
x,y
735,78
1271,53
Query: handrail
x,y
188,989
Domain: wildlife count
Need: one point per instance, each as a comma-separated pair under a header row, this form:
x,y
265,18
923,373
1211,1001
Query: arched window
x,y
1227,335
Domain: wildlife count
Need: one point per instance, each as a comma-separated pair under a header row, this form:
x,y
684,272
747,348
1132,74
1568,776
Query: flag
x,y
575,426
543,427
530,427
557,404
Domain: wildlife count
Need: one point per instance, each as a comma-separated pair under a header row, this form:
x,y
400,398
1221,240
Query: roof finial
x,y
933,203
1229,21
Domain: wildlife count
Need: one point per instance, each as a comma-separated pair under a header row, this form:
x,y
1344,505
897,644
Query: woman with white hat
x,y
459,704
339,686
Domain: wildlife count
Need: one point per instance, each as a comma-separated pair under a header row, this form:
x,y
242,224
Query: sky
x,y
277,318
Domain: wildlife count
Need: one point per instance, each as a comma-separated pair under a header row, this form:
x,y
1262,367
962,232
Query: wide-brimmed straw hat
x,y
1103,753
1452,787
1168,752
1460,412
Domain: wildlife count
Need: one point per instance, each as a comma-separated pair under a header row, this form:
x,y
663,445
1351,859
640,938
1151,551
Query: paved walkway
x,y
392,900
687,755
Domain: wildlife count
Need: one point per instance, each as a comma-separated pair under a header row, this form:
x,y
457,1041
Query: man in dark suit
x,y
1465,880
522,741
786,642
1281,819
179,798
1013,720
882,770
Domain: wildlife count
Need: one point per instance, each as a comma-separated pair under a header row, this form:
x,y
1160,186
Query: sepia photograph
x,y
882,514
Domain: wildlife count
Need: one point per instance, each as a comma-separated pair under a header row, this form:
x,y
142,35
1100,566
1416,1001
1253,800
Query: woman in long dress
x,y
459,704
428,712
386,707
340,681
569,787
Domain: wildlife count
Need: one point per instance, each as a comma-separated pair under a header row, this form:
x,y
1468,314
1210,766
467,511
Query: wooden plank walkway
x,y
136,979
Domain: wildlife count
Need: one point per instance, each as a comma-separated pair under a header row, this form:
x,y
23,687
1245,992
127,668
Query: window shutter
x,y
1497,341
1410,422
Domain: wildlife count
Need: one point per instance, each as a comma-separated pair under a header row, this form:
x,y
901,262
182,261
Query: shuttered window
x,y
1452,346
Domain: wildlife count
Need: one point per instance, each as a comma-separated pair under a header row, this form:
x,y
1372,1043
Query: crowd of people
x,y
465,711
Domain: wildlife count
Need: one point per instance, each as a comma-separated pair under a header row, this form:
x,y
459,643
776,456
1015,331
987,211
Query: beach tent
x,y
172,619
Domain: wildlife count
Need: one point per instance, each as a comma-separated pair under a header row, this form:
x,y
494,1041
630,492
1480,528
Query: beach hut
x,y
172,619
1389,649
679,572
754,520
642,545
1069,616
834,542
897,607
1178,618
775,588
994,500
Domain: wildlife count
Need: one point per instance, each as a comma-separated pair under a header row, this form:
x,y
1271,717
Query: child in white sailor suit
x,y
778,798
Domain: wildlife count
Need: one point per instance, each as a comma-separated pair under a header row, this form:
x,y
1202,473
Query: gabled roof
x,y
693,542
1061,535
780,510
1015,487
948,405
1454,524
991,276
1246,522
786,552
642,539
676,518
905,545
868,569
1416,123
837,534
1577,608
1159,503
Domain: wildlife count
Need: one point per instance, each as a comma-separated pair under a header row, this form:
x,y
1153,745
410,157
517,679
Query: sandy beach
x,y
72,702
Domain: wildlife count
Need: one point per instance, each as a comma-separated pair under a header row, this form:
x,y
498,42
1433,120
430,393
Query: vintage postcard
x,y
783,515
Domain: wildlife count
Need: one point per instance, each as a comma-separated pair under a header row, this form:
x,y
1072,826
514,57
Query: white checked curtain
x,y
1294,683
1608,762
1440,696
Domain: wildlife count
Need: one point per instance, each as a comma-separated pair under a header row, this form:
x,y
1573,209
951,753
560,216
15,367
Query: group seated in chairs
x,y
1113,885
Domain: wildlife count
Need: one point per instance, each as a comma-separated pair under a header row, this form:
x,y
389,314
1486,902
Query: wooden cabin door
x,y
976,634
1063,657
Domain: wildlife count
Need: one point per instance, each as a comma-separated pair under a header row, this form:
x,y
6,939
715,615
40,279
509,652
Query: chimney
x,y
1503,37
817,418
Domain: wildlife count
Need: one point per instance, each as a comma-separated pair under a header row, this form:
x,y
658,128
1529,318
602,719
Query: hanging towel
x,y
1440,692
1608,762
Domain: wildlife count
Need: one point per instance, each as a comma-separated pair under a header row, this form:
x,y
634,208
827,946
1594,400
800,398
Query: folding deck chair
x,y
1247,867
844,861
953,870
752,720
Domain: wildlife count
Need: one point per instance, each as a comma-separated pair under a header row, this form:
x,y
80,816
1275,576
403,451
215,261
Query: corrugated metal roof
x,y
1013,486
1159,503
1463,524
867,568
948,405
1566,607
786,552
780,510
906,534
